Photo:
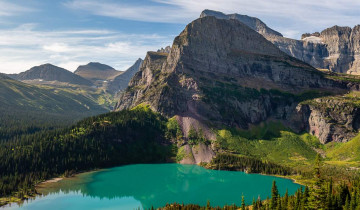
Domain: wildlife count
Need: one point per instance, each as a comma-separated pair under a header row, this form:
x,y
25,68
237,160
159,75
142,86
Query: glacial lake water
x,y
146,185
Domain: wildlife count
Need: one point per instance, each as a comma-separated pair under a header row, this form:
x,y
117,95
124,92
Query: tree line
x,y
113,139
321,195
247,164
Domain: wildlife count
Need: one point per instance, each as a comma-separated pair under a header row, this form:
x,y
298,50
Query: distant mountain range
x,y
48,93
93,74
48,72
336,49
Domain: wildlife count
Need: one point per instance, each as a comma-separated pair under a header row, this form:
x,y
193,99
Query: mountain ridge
x,y
336,48
49,72
253,22
120,82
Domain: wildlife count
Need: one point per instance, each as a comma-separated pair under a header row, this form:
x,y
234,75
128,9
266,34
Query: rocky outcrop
x,y
221,72
336,49
120,82
167,49
49,72
197,154
331,118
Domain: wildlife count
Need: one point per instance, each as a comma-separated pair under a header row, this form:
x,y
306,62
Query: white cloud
x,y
57,47
11,9
24,47
159,13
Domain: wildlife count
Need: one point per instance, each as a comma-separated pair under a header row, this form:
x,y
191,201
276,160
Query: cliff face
x,y
336,48
223,72
332,118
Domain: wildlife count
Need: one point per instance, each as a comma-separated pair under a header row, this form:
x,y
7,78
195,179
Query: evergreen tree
x,y
242,202
286,199
318,193
274,196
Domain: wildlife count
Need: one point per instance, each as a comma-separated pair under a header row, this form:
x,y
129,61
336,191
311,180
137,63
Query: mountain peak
x,y
121,81
50,72
97,71
252,22
94,66
242,60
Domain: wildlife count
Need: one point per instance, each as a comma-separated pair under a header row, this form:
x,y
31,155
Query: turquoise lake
x,y
146,185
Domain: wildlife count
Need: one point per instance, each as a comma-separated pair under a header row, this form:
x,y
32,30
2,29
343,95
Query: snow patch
x,y
313,39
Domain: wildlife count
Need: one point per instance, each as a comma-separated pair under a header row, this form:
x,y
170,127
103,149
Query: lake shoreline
x,y
50,183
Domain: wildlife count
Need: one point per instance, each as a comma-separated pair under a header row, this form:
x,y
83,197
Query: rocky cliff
x,y
336,48
223,72
332,118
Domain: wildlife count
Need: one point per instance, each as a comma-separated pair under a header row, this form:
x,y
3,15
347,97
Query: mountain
x,y
120,82
223,73
49,73
336,49
3,76
252,22
97,71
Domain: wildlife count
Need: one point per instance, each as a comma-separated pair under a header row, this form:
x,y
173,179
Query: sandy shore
x,y
52,180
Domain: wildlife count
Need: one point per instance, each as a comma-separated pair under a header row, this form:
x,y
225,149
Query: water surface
x,y
146,185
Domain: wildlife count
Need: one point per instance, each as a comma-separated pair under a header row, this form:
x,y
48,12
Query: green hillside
x,y
272,142
28,108
112,139
348,152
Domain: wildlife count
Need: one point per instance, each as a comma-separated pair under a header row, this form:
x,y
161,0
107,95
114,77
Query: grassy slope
x,y
348,152
271,141
16,94
28,108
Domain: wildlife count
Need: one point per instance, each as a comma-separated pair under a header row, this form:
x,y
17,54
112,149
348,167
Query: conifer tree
x,y
318,193
242,202
274,196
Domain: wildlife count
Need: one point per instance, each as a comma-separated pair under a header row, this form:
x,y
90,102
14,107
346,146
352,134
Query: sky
x,y
69,33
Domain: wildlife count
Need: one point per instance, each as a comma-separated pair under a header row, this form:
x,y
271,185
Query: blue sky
x,y
69,33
